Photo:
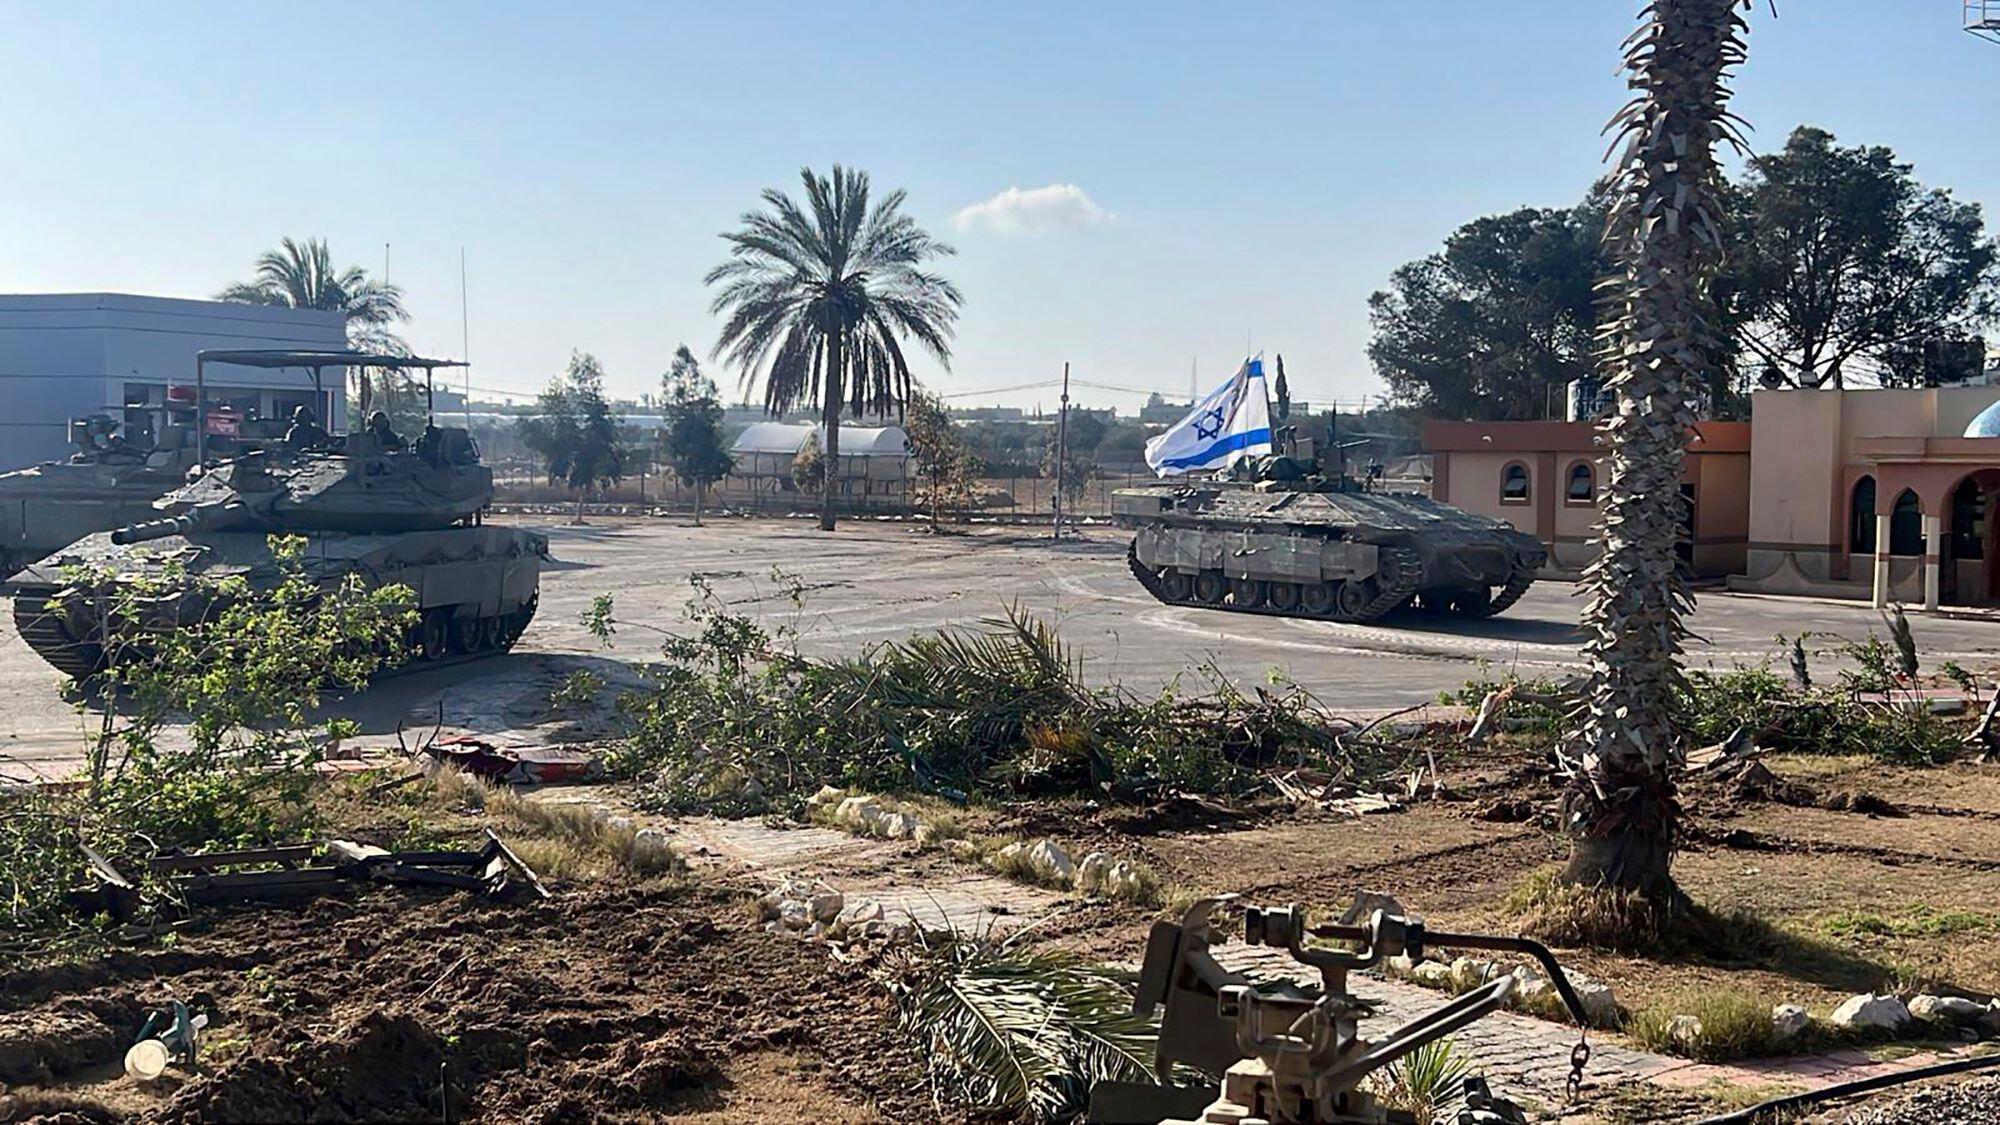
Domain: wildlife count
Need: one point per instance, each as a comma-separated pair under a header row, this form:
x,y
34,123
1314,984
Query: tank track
x,y
1407,568
48,634
1517,584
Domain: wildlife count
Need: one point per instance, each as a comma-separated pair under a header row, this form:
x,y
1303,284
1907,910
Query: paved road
x,y
877,581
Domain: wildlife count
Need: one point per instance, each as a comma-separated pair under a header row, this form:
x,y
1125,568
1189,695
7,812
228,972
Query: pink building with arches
x,y
1877,494
1882,494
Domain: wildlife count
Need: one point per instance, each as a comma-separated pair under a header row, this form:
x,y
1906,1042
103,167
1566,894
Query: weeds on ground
x,y
1734,1025
1915,920
1786,712
736,721
1015,1032
239,673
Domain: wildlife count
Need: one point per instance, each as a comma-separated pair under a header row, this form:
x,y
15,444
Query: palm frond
x,y
1017,1031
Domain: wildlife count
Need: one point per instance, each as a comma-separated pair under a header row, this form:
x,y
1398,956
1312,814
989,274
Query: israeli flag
x,y
1231,423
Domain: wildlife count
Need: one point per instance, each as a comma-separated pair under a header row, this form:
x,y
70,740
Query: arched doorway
x,y
1975,537
1906,525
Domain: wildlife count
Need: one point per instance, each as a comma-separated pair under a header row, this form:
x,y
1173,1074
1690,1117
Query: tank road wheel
x,y
1354,597
433,635
1210,587
1247,593
1473,603
465,635
488,636
1284,596
1176,585
1319,598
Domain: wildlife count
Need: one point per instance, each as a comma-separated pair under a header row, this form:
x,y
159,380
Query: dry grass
x,y
1734,1025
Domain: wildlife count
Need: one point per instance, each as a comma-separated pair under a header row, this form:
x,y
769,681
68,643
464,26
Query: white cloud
x,y
1055,207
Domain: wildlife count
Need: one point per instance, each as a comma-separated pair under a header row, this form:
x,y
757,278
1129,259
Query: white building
x,y
64,355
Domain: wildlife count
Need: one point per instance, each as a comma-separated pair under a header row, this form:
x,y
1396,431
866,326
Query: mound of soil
x,y
605,1005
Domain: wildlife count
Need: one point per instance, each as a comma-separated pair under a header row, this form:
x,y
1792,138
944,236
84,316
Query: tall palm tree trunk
x,y
1620,804
830,416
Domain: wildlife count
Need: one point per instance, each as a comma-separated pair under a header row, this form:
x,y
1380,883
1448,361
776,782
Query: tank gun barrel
x,y
154,529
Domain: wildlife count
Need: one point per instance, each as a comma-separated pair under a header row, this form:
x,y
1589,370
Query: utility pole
x,y
1062,448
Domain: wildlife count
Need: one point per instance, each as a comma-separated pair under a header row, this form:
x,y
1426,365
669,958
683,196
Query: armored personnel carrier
x,y
107,482
366,505
1283,539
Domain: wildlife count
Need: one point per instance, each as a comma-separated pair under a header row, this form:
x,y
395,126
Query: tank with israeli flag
x,y
1231,422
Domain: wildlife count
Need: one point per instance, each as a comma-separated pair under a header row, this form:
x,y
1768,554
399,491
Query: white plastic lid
x,y
146,1060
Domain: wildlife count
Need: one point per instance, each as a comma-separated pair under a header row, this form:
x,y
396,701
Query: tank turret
x,y
108,480
368,506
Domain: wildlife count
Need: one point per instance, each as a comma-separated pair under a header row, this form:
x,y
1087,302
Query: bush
x,y
736,722
203,736
1734,1025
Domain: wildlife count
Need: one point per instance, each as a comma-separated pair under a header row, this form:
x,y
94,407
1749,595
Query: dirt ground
x,y
1826,881
611,1005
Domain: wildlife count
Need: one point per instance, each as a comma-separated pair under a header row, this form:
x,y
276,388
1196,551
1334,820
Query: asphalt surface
x,y
875,581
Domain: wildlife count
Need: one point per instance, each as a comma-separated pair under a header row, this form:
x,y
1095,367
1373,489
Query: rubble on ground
x,y
821,913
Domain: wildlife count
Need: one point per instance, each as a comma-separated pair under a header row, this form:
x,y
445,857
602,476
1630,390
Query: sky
x,y
1142,190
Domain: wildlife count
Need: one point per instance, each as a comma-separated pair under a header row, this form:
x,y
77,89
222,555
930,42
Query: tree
x,y
1619,803
575,433
1078,465
691,437
809,467
944,462
1284,392
822,298
1847,262
1491,325
301,275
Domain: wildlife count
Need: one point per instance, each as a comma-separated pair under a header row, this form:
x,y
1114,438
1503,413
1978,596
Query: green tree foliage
x,y
822,299
203,734
1078,465
691,438
575,433
1283,391
301,275
1845,261
1492,326
945,465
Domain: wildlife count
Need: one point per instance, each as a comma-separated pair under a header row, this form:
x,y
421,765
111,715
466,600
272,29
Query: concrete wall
x,y
62,355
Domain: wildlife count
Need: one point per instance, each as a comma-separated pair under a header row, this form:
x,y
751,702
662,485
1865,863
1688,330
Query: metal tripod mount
x,y
1289,1054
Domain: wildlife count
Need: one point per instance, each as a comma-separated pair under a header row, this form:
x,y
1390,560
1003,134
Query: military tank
x,y
366,506
107,482
1281,538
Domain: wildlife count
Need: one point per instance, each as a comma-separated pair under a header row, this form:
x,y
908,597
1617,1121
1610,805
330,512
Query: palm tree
x,y
302,276
1666,211
820,299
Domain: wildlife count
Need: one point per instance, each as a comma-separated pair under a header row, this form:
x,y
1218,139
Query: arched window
x,y
1906,525
1861,517
1968,520
1581,487
1514,484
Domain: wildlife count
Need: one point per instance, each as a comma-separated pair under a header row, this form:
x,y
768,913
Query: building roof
x,y
855,441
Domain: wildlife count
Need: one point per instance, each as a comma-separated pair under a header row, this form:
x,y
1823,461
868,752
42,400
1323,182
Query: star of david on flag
x,y
1231,422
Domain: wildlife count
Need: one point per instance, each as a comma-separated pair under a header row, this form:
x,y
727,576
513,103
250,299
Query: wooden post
x,y
1062,449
